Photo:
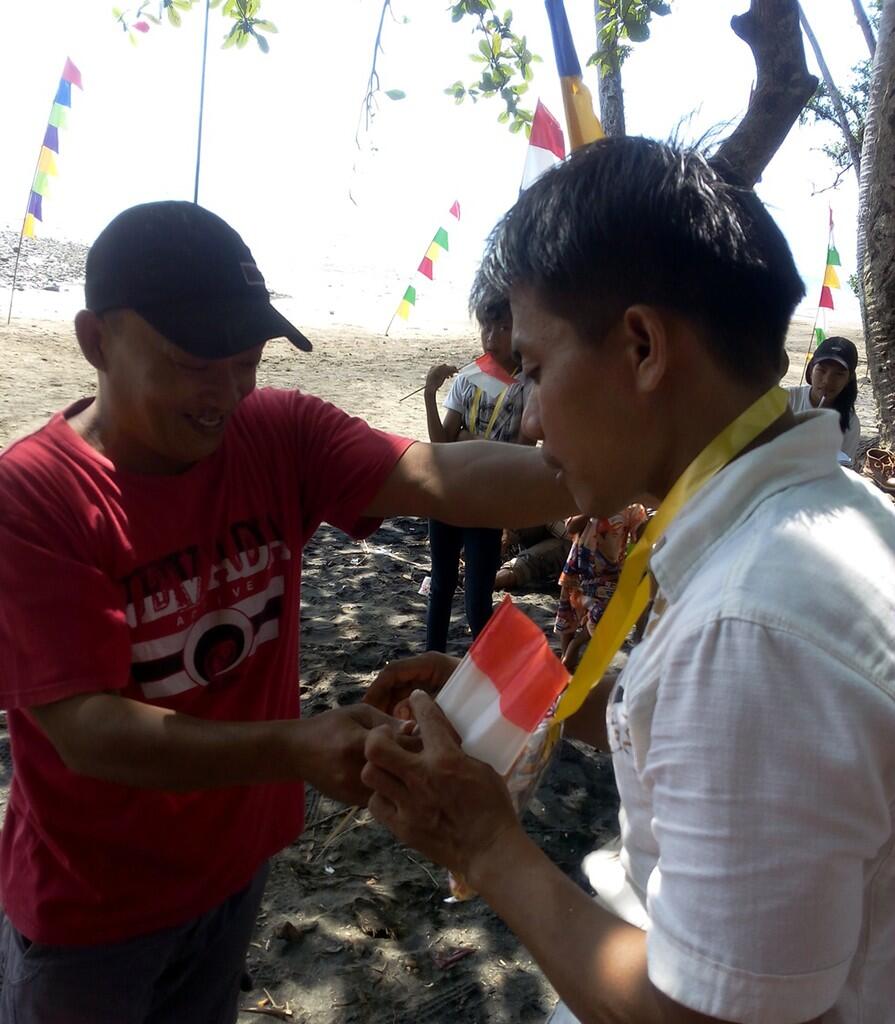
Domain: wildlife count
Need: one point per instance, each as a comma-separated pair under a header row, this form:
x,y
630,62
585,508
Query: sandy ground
x,y
353,927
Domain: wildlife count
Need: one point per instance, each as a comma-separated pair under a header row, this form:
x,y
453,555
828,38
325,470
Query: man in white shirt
x,y
752,730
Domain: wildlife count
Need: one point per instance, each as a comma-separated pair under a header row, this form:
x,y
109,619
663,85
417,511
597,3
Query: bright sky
x,y
279,156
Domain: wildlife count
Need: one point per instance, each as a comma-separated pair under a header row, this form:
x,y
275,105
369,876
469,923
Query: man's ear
x,y
90,332
646,338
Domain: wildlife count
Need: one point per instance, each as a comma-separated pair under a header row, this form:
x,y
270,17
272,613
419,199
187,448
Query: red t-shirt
x,y
181,591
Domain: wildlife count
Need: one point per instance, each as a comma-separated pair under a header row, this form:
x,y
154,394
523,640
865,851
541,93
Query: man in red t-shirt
x,y
150,570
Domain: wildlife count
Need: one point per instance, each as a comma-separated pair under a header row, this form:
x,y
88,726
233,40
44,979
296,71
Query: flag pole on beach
x,y
582,124
46,163
201,102
437,246
831,280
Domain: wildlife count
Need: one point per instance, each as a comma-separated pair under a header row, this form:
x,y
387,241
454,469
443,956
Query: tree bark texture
x,y
866,27
876,227
835,97
783,87
612,100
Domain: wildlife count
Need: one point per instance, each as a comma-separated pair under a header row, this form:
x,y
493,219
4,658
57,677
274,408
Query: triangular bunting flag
x,y
46,162
59,116
426,268
441,238
35,205
51,138
71,74
455,210
826,298
831,278
434,251
833,257
41,183
63,94
28,228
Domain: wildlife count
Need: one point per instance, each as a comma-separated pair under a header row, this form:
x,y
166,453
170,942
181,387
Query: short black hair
x,y
632,220
488,303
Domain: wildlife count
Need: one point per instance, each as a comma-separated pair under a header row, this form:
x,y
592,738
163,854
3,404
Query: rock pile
x,y
45,263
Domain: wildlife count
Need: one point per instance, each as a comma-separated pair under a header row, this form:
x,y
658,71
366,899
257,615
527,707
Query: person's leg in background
x,y
482,549
445,543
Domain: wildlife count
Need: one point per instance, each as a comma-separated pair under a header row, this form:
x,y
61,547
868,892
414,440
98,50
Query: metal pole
x,y
201,102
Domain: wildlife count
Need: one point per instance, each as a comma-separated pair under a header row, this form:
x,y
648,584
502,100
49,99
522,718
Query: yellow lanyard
x,y
633,591
474,410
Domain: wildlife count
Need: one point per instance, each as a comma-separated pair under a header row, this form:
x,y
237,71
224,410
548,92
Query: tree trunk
x,y
612,100
783,87
835,97
866,27
876,226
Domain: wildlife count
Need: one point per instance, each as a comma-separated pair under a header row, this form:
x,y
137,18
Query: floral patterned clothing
x,y
591,572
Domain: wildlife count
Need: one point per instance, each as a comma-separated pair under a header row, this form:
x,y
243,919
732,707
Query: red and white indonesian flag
x,y
546,146
486,373
503,688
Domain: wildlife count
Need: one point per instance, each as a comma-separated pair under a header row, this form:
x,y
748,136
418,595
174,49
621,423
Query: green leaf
x,y
516,127
484,49
266,26
241,40
503,116
637,31
395,94
116,12
263,44
174,16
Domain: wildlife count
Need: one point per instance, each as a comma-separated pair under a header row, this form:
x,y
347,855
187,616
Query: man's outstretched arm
x,y
482,483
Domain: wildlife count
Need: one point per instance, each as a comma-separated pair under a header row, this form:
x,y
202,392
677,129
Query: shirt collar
x,y
807,451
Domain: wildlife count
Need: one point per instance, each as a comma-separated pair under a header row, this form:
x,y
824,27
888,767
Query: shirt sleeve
x,y
63,630
457,398
342,464
769,799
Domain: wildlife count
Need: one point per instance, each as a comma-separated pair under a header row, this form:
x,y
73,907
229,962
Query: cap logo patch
x,y
252,274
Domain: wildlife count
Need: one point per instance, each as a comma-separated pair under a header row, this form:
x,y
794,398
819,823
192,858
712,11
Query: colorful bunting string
x,y
46,161
830,281
438,245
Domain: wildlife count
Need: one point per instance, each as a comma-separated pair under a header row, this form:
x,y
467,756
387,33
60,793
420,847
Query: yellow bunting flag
x,y
46,163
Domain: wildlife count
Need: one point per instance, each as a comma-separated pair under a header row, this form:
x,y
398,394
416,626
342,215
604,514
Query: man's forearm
x,y
116,739
473,483
596,961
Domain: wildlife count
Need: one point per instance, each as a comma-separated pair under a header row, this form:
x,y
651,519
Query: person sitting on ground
x,y
150,570
532,555
590,575
833,384
471,413
751,729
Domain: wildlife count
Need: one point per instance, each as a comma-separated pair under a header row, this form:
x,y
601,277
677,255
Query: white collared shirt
x,y
753,737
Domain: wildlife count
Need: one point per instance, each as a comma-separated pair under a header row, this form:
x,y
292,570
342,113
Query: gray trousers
x,y
188,974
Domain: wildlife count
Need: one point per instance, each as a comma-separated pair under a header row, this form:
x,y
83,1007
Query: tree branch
x,y
834,94
866,27
783,87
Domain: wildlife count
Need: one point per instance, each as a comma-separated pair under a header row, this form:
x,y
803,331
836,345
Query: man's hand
x,y
450,807
437,375
332,749
390,690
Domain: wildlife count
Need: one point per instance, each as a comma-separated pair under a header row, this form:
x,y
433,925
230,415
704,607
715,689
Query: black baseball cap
x,y
840,350
189,275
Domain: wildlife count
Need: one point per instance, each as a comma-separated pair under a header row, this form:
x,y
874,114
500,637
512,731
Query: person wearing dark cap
x,y
150,566
832,384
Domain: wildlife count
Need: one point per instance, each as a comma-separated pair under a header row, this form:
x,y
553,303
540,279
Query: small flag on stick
x,y
582,123
546,146
46,161
830,281
440,244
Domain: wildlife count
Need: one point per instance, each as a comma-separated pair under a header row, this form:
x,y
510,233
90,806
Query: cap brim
x,y
220,329
825,358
